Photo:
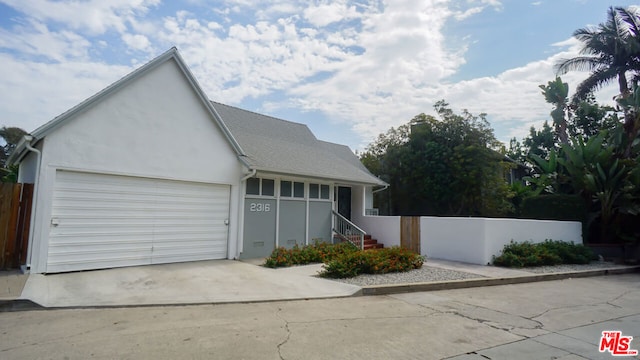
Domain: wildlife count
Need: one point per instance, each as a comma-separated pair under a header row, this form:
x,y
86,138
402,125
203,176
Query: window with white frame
x,y
292,189
319,191
260,186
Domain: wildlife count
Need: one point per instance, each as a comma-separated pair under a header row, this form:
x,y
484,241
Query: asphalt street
x,y
544,320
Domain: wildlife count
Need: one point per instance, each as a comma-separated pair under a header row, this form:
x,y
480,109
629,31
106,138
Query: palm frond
x,y
580,63
595,81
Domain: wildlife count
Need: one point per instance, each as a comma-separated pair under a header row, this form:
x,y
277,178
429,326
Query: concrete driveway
x,y
203,282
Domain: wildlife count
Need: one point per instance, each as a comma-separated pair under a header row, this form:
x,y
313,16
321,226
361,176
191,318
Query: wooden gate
x,y
410,233
15,215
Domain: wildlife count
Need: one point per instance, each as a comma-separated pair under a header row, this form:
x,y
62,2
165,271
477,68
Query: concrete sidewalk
x,y
226,281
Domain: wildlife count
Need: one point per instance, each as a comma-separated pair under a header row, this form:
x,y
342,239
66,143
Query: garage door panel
x,y
101,220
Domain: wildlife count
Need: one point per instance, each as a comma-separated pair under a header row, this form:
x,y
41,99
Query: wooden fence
x,y
15,215
410,233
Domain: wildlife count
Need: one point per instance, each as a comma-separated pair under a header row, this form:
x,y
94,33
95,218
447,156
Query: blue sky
x,y
350,70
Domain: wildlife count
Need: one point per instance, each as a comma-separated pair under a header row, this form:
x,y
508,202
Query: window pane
x,y
314,191
285,188
298,189
267,187
324,192
253,186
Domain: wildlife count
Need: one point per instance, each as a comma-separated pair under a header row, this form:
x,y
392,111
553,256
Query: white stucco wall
x,y
459,239
385,229
477,240
155,127
358,198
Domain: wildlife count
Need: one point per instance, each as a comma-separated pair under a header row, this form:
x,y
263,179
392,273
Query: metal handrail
x,y
347,230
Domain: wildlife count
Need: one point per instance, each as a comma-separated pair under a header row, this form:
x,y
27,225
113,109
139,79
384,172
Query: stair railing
x,y
348,231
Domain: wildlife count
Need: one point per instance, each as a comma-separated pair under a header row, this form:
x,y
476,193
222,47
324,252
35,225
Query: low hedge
x,y
381,261
345,259
549,252
318,252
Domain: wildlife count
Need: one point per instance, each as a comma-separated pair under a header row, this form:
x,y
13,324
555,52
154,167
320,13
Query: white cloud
x,y
328,13
35,39
137,42
94,16
33,92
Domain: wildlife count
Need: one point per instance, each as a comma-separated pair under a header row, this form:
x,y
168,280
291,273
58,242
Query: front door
x,y
344,201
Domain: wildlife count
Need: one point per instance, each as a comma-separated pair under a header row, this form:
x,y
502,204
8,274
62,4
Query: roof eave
x,y
320,177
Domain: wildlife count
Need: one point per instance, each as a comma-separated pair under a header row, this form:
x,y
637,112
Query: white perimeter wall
x,y
470,240
477,240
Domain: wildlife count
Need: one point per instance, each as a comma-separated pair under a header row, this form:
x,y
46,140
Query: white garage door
x,y
101,221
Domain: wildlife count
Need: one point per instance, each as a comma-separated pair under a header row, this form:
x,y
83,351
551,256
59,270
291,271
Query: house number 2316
x,y
259,207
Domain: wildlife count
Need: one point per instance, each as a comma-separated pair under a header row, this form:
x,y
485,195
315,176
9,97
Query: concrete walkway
x,y
225,281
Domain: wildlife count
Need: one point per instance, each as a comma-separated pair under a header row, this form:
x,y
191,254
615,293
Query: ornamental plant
x,y
381,261
549,252
318,252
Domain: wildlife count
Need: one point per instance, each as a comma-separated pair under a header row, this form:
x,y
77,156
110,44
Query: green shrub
x,y
380,261
546,253
318,252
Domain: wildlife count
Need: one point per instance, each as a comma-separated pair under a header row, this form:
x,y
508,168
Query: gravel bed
x,y
424,274
431,274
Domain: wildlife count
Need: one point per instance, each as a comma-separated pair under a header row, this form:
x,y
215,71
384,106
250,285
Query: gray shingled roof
x,y
284,147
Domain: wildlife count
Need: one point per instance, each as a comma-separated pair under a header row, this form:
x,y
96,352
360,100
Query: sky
x,y
350,70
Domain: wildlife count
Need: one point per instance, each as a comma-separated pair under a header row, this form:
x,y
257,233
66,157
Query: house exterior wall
x,y
358,202
155,126
385,229
320,221
289,220
293,223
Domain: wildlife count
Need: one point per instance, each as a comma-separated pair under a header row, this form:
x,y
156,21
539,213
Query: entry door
x,y
344,201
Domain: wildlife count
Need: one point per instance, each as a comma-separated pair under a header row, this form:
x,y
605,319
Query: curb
x,y
19,305
471,283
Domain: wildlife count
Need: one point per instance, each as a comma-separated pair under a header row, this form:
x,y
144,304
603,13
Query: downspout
x,y
249,175
252,171
240,232
28,139
383,189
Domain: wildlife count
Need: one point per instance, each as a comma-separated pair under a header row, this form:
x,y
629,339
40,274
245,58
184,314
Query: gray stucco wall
x,y
259,228
320,221
292,229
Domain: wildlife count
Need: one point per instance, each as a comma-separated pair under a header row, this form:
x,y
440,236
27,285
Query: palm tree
x,y
610,51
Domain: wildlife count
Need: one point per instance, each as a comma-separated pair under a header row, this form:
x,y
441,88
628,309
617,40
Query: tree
x,y
11,137
589,118
540,142
440,166
609,51
556,92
